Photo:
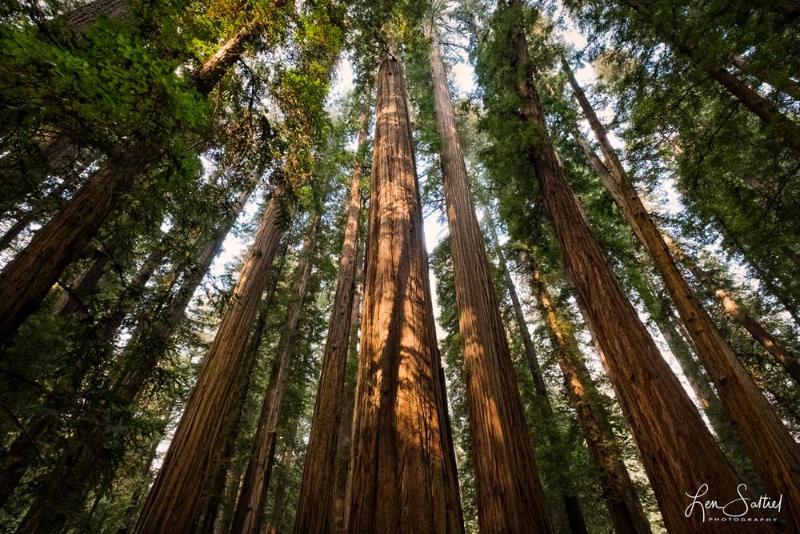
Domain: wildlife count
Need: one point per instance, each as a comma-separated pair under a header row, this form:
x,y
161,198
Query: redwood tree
x,y
402,473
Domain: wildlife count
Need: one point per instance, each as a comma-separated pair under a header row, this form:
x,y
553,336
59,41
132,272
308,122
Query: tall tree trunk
x,y
83,461
623,502
402,471
557,444
787,131
233,420
315,510
346,421
784,357
280,495
677,449
510,494
176,494
772,449
787,86
250,509
24,282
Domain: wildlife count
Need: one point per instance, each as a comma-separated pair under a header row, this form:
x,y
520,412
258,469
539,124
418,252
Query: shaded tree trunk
x,y
250,509
176,494
77,293
619,492
24,282
787,131
84,458
402,472
510,494
677,449
223,464
557,444
280,496
315,510
772,449
346,421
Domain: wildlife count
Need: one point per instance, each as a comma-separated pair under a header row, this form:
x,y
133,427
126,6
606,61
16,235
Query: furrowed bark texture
x,y
402,473
510,494
24,282
782,126
174,499
346,421
620,495
557,444
223,463
772,449
677,449
250,509
315,510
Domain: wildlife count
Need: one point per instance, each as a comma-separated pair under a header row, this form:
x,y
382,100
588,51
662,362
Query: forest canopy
x,y
427,266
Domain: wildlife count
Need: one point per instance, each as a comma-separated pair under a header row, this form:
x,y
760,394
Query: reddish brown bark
x,y
175,497
510,494
772,449
280,494
315,510
402,471
24,282
250,509
677,449
557,445
619,492
782,126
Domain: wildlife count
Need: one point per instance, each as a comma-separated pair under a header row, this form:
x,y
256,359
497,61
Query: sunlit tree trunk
x,y
402,471
772,449
677,449
250,509
24,282
315,510
176,494
510,494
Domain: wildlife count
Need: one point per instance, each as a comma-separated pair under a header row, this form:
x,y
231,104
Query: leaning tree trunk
x,y
24,282
677,449
772,449
784,128
402,471
84,458
315,510
233,421
619,492
783,356
76,294
510,494
557,444
176,494
250,509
